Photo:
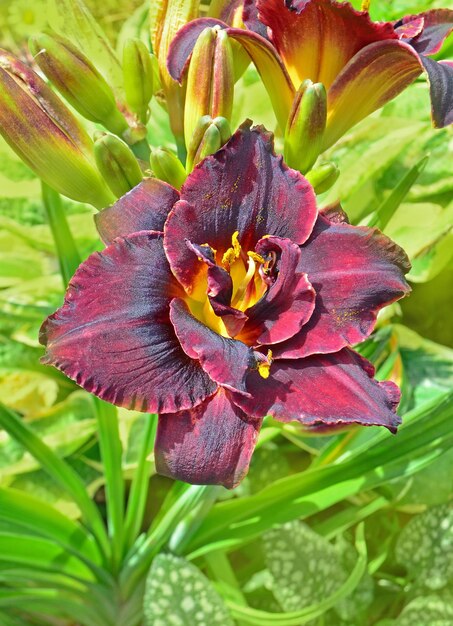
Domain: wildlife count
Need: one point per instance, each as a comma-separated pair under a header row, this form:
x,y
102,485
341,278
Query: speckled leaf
x,y
425,547
427,610
305,567
268,465
178,594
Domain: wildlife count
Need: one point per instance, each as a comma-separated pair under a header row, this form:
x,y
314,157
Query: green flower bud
x,y
210,80
117,163
77,80
138,77
208,137
46,135
166,166
305,126
324,177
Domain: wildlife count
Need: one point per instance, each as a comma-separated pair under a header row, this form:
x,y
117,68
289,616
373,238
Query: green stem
x,y
158,536
181,149
189,525
111,453
140,483
141,150
68,256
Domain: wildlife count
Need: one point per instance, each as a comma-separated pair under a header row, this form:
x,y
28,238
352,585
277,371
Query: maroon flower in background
x,y
230,301
362,64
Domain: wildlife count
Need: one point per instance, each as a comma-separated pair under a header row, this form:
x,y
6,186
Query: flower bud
x,y
167,167
323,177
208,137
210,80
305,126
117,163
166,17
77,80
46,135
138,77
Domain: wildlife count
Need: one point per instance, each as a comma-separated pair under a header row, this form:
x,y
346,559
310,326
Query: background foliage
x,y
350,529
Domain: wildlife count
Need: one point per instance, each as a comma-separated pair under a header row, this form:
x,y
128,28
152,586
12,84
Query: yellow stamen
x,y
245,283
256,257
365,5
264,368
234,252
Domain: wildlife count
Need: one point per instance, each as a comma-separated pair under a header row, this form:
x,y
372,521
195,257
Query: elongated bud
x,y
166,166
117,163
166,17
138,77
77,80
46,135
322,178
210,80
208,137
305,126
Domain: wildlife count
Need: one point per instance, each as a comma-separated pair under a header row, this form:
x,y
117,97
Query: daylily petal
x,y
437,25
372,77
184,42
211,444
243,187
326,389
251,19
113,335
440,78
145,207
409,27
288,303
226,360
316,39
355,271
271,69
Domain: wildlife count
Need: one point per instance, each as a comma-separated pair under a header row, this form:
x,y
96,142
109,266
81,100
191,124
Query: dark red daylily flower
x,y
362,64
230,301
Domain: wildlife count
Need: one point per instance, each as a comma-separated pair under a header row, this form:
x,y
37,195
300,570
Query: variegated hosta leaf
x,y
178,594
431,610
425,547
306,569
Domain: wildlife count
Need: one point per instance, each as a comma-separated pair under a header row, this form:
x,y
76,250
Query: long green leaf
x,y
59,470
424,437
25,510
384,212
52,602
41,553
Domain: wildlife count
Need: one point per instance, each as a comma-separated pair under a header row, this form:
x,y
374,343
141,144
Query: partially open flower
x,y
230,301
362,64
